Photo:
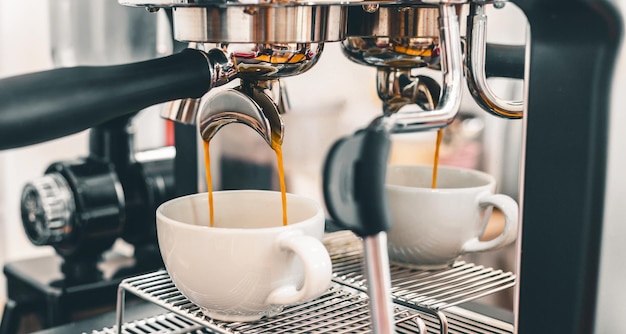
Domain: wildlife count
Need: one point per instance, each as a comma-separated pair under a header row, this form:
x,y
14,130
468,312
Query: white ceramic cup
x,y
431,228
249,265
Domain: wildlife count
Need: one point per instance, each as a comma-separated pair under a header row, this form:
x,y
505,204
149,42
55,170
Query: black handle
x,y
505,61
354,182
46,105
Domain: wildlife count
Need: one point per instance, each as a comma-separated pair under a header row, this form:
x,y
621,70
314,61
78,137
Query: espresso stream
x,y
277,147
436,164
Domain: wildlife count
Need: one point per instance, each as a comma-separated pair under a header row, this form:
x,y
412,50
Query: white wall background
x,y
24,47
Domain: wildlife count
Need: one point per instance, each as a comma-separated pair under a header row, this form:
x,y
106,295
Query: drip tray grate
x,y
464,322
428,290
340,310
420,299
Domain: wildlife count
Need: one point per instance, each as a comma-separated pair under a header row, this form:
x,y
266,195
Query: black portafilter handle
x,y
354,182
46,105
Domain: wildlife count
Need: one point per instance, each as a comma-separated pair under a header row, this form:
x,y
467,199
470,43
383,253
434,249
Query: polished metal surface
x,y
398,88
451,69
261,24
379,288
279,3
276,91
271,60
270,107
184,111
475,68
222,71
258,64
392,36
391,52
244,105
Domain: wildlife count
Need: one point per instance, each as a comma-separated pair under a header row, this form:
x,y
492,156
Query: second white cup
x,y
431,228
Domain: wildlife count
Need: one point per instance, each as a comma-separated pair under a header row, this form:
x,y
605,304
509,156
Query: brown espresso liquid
x,y
209,183
277,147
435,165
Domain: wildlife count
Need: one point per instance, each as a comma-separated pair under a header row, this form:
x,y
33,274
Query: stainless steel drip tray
x,y
428,290
465,322
420,298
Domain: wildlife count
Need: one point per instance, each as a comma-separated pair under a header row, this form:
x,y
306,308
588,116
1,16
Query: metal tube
x,y
451,69
379,286
475,68
119,312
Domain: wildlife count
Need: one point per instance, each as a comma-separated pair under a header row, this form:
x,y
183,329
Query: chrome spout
x,y
245,105
451,68
398,88
475,68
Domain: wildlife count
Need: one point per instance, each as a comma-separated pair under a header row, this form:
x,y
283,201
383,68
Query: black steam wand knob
x,y
354,179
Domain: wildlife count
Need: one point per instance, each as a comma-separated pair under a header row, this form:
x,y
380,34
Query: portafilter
x,y
256,42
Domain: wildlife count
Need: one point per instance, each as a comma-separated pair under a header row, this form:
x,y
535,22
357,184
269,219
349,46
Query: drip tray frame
x,y
420,298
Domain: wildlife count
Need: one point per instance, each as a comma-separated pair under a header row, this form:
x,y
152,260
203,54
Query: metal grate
x,y
464,322
340,310
420,297
433,290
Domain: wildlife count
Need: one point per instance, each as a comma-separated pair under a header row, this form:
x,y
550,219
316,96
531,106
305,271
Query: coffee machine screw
x,y
370,8
152,9
250,10
499,4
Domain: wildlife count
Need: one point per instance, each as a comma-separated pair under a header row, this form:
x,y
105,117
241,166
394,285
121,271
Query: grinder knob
x,y
78,208
47,209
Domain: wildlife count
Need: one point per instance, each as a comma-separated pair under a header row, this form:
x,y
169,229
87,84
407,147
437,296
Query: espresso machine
x,y
567,67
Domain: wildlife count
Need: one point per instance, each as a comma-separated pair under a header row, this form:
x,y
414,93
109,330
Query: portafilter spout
x,y
397,39
246,104
451,68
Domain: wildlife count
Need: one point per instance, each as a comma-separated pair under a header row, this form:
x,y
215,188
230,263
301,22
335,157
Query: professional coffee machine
x,y
564,36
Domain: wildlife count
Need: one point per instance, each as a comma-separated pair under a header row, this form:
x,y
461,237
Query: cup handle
x,y
317,269
509,208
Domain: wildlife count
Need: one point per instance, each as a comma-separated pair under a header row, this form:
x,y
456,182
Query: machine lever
x,y
46,105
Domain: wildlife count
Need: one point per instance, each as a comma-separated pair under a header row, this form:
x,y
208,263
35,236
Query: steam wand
x,y
354,178
355,169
